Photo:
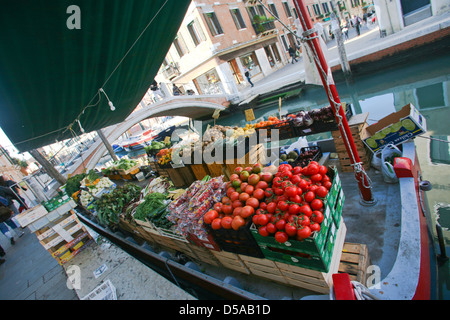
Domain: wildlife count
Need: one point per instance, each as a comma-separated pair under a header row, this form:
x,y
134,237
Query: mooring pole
x,y
333,97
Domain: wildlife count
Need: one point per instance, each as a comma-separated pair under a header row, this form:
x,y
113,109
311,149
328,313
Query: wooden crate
x,y
204,255
355,260
231,261
176,177
199,170
215,169
264,268
357,130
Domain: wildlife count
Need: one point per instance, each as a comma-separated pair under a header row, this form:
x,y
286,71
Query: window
x,y
316,9
252,12
237,18
180,46
283,40
261,11
196,32
325,8
287,10
213,23
273,9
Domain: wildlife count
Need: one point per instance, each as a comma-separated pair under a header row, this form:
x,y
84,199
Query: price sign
x,y
249,115
167,140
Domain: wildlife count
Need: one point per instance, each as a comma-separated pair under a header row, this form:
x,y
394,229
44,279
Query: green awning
x,y
50,73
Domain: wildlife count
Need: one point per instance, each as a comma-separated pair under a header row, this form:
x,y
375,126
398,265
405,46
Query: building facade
x,y
219,40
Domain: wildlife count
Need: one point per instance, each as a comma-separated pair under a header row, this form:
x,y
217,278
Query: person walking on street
x,y
5,219
156,91
247,75
358,25
292,54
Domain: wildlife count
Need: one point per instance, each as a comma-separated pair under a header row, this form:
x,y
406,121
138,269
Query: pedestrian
x,y
247,75
6,215
156,90
344,27
292,54
176,91
358,25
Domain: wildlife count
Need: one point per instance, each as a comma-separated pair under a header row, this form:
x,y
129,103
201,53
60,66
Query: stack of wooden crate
x,y
59,231
357,125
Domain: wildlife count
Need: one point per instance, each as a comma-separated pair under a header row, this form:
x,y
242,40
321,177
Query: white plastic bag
x,y
387,168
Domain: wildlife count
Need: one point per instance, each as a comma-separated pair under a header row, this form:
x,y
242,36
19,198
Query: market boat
x,y
402,232
404,245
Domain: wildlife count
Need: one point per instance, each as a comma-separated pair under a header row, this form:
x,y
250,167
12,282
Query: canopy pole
x,y
312,40
107,145
51,171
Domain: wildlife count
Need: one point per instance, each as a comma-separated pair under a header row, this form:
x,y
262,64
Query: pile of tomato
x,y
286,202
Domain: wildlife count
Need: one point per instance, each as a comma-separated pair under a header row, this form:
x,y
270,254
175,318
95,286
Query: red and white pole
x,y
333,97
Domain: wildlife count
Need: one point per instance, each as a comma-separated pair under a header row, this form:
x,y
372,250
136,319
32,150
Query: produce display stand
x,y
206,242
357,125
231,261
354,261
256,154
200,170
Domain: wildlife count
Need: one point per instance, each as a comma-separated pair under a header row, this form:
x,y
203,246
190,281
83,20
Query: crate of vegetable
x,y
111,205
298,222
125,166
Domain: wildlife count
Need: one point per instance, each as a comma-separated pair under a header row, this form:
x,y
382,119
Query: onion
x,y
298,121
308,120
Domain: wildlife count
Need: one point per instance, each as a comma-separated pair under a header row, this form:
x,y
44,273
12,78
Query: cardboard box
x,y
395,128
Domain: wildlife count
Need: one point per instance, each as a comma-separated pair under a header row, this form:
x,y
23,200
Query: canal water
x,y
424,84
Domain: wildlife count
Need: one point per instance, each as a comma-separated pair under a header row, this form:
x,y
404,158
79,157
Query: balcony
x,y
171,71
262,24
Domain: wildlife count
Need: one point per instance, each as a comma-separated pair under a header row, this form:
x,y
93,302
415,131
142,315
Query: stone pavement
x,y
31,273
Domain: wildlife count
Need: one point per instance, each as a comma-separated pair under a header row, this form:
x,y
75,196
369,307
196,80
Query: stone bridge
x,y
193,107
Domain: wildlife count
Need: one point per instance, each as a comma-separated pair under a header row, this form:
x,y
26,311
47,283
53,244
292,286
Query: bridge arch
x,y
186,106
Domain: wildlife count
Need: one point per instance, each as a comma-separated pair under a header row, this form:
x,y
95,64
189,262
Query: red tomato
x,y
327,184
296,179
216,224
234,196
237,211
297,170
255,218
276,182
268,192
291,229
249,189
210,216
262,185
290,191
323,170
294,209
237,222
263,231
271,228
218,207
314,227
282,205
230,191
247,211
278,191
312,168
226,222
303,232
316,204
252,202
281,237
263,219
309,196
321,192
303,184
296,199
258,194
236,203
271,207
263,205
227,209
317,216
244,196
316,177
226,200
306,210
304,220
280,224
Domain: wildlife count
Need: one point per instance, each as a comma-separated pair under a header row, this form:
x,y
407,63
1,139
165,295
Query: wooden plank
x,y
199,170
269,276
355,260
215,169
